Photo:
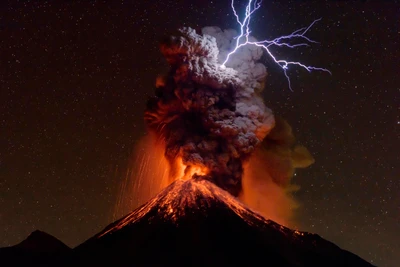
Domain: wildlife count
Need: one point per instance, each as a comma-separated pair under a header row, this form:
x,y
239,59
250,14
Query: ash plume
x,y
267,182
210,117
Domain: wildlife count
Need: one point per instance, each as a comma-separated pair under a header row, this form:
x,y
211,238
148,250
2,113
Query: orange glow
x,y
148,173
186,172
263,195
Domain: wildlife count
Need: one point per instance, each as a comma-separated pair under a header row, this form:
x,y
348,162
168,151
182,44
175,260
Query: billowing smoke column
x,y
209,117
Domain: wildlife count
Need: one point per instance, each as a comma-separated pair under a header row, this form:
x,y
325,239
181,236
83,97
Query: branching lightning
x,y
243,39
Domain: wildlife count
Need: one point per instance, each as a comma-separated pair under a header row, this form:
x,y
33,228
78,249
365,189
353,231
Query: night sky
x,y
74,79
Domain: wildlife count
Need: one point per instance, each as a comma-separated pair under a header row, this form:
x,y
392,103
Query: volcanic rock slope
x,y
195,223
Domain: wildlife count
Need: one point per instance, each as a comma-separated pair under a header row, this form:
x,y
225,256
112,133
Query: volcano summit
x,y
195,223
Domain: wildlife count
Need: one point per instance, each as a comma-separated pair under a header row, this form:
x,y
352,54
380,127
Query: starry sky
x,y
75,76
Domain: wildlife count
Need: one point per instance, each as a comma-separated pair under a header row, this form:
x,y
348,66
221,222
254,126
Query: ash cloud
x,y
210,117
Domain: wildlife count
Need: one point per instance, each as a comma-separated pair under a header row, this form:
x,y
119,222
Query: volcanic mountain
x,y
195,223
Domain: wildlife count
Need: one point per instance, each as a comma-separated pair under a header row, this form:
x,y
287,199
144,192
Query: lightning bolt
x,y
282,41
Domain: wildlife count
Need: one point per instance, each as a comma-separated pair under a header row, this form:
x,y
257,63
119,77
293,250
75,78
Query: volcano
x,y
195,223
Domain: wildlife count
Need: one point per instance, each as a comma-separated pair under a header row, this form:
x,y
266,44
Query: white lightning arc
x,y
243,39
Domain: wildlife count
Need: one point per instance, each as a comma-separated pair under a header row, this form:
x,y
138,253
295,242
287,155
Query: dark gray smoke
x,y
209,116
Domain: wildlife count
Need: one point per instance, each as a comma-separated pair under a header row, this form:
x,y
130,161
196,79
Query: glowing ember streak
x,y
243,39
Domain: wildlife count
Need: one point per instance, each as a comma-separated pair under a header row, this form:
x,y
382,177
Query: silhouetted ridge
x,y
37,249
42,242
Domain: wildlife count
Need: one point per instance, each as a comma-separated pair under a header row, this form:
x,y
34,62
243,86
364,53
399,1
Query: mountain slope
x,y
195,223
38,248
